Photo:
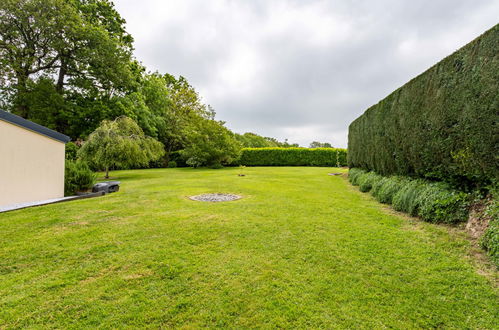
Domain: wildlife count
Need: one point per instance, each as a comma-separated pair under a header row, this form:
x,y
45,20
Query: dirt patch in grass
x,y
478,220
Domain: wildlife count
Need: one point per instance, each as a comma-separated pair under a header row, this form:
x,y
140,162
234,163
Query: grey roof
x,y
29,125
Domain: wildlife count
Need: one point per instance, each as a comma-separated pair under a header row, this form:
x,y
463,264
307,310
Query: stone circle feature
x,y
218,197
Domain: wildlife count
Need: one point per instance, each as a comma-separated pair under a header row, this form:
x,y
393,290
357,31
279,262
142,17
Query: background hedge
x,y
293,157
442,125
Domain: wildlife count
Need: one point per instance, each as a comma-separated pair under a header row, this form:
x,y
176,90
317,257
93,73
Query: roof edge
x,y
29,125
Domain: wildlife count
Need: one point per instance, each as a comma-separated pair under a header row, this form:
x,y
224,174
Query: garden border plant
x,y
434,202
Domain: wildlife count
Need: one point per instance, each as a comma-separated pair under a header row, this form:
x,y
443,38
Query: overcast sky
x,y
301,70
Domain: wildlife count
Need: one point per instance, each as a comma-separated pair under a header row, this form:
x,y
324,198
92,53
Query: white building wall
x,y
31,166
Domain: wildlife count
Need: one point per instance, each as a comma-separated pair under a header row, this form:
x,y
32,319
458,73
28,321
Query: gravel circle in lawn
x,y
215,197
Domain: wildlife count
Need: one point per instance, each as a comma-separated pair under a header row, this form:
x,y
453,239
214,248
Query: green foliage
x,y
68,65
440,125
176,156
80,46
184,113
316,144
210,144
407,198
120,143
77,177
252,140
438,203
490,240
71,151
432,201
354,175
367,180
293,157
172,164
385,189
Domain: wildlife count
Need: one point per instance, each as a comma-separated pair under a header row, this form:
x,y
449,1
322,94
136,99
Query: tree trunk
x,y
107,172
21,108
62,74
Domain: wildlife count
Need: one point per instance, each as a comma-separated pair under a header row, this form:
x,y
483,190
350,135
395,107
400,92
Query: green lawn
x,y
301,249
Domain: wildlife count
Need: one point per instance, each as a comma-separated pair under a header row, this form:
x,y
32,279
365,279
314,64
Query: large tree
x,y
120,143
80,46
252,140
210,143
184,111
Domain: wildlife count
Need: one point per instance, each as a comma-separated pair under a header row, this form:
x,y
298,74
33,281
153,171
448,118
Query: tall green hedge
x,y
442,124
293,157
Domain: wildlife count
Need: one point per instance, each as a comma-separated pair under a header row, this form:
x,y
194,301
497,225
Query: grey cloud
x,y
301,70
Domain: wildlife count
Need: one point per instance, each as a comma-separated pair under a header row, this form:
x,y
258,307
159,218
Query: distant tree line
x,y
317,144
68,65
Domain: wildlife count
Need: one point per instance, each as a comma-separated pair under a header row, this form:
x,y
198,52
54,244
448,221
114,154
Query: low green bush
x,y
432,201
377,187
71,150
440,204
293,157
176,156
354,175
172,164
406,199
78,177
385,189
367,180
216,166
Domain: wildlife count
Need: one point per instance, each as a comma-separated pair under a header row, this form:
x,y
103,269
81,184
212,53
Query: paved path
x,y
19,206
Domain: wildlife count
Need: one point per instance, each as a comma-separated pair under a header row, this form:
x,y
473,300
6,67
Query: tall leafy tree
x,y
211,144
79,45
120,143
185,111
252,140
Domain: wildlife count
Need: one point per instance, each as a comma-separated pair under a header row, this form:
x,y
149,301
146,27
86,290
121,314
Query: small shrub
x,y
78,177
384,190
176,156
71,150
377,186
172,164
490,240
216,166
354,175
406,199
367,180
439,204
434,202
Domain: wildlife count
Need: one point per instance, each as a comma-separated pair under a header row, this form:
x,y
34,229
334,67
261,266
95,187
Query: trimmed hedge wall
x,y
441,125
293,157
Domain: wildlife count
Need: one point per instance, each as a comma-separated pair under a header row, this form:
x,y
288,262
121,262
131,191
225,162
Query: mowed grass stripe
x,y
301,249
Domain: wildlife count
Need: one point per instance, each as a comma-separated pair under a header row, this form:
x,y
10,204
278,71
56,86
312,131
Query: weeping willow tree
x,y
120,143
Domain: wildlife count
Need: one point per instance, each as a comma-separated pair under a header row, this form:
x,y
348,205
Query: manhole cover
x,y
215,197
